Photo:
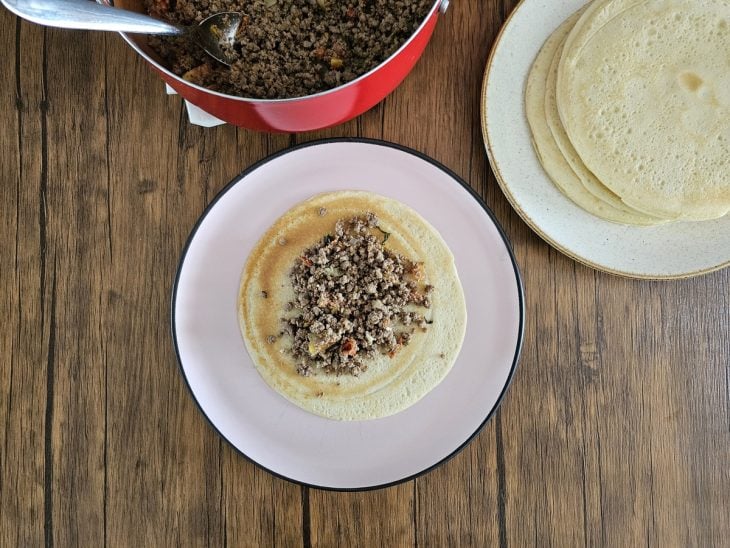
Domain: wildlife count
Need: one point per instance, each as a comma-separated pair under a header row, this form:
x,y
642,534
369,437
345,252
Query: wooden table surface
x,y
616,431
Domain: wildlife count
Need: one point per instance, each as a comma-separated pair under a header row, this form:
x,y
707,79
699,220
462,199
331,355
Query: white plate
x,y
267,428
677,250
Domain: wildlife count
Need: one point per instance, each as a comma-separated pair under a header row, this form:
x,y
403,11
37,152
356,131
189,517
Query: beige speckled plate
x,y
677,250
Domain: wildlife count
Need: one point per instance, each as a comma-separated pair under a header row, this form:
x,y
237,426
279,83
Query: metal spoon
x,y
211,34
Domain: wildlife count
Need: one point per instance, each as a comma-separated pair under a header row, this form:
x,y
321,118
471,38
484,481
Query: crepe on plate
x,y
389,385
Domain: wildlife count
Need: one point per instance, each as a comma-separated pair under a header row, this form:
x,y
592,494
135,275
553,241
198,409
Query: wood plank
x,y
372,518
163,474
78,243
24,291
259,509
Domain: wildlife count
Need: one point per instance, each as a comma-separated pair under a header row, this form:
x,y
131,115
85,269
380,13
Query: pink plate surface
x,y
276,434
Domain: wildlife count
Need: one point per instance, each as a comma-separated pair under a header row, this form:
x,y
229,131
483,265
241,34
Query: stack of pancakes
x,y
629,106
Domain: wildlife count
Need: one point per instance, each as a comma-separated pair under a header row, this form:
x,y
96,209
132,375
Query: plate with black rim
x,y
274,433
662,252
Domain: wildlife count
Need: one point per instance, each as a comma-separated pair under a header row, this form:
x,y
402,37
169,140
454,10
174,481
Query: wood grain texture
x,y
616,431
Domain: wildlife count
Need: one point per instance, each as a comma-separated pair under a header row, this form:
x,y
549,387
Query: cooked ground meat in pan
x,y
289,48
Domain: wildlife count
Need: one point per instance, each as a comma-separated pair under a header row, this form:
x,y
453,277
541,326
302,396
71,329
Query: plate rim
x,y
402,148
531,223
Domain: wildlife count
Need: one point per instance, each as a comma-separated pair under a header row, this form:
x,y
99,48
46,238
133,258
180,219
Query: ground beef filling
x,y
289,48
354,299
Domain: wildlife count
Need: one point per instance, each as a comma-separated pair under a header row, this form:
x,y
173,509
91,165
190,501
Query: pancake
x,y
588,180
540,104
643,93
389,385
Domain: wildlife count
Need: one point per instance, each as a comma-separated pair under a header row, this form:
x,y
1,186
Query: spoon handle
x,y
87,15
